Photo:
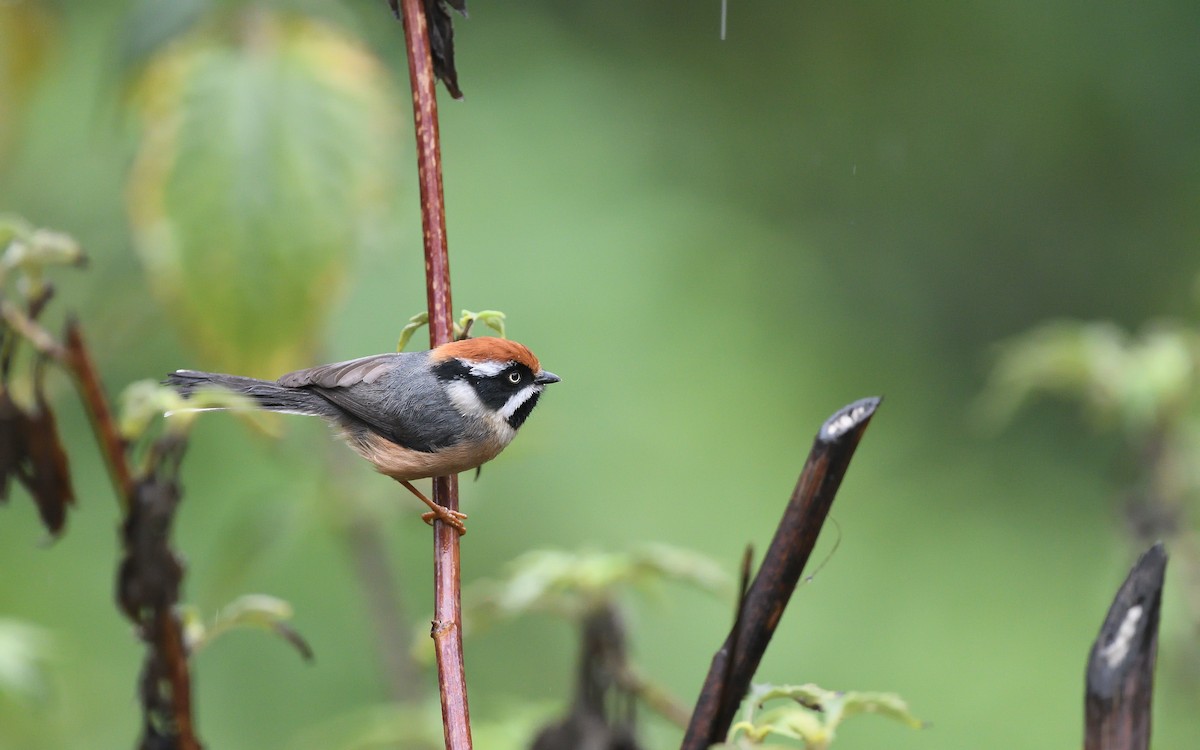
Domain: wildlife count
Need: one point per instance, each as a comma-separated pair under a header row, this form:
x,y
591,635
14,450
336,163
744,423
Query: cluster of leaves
x,y
1145,387
585,588
573,584
1136,383
810,714
150,574
493,319
30,449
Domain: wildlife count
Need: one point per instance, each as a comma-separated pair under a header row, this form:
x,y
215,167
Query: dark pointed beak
x,y
544,378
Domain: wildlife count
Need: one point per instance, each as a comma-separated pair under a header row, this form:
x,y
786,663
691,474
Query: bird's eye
x,y
514,377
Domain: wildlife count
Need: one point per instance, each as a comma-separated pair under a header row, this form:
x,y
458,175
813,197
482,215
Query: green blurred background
x,y
715,244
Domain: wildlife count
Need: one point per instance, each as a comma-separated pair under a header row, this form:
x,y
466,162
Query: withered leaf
x,y
31,451
441,39
12,441
49,480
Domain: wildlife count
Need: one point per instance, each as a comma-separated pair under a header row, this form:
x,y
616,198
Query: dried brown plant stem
x,y
447,622
79,361
165,637
167,640
762,606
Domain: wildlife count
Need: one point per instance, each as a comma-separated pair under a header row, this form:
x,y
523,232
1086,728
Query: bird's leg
x,y
445,515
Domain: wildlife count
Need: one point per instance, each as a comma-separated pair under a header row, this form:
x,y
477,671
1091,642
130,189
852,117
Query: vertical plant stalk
x,y
734,665
447,619
164,636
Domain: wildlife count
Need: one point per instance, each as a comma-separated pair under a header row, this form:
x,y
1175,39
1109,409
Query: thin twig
x,y
631,679
734,665
172,651
447,622
79,361
31,331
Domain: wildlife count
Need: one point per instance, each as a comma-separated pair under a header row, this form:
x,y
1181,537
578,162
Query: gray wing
x,y
381,393
343,374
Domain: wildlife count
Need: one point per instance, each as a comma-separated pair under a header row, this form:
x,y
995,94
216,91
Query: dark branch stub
x,y
734,665
1120,672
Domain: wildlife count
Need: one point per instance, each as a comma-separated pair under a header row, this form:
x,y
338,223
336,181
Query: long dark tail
x,y
265,393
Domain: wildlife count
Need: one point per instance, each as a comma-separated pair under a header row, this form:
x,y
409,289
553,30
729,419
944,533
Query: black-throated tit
x,y
413,415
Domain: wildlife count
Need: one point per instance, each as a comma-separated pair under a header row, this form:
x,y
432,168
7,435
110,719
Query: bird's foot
x,y
449,517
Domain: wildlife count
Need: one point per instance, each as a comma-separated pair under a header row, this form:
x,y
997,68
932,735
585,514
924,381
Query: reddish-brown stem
x,y
447,619
91,390
172,651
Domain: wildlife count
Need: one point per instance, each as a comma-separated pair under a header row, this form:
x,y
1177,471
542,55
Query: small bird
x,y
411,414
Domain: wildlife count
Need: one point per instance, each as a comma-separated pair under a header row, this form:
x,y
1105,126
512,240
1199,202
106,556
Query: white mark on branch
x,y
1118,648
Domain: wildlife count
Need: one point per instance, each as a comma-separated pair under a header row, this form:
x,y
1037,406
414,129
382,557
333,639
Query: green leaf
x,y
573,583
254,611
29,251
144,401
266,157
415,323
812,714
493,319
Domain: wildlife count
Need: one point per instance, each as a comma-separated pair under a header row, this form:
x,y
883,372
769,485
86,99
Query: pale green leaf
x,y
144,401
813,714
415,323
265,158
573,583
251,611
1137,383
24,652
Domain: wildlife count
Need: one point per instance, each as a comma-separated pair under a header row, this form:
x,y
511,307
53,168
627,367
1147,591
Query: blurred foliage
x,y
573,584
29,250
811,715
25,653
417,727
1133,383
250,611
145,401
26,34
1146,388
266,154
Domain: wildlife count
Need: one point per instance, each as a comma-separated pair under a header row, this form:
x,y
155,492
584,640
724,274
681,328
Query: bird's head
x,y
493,378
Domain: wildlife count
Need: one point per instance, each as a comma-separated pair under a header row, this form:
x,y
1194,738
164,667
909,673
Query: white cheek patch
x,y
465,399
520,397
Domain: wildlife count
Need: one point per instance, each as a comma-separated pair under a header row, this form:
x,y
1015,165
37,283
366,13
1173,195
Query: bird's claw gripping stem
x,y
447,516
452,518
